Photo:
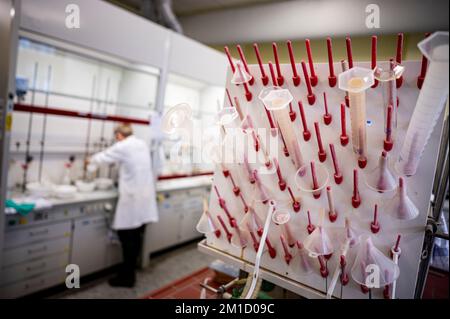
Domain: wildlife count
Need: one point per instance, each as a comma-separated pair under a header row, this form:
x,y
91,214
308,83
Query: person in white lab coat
x,y
136,205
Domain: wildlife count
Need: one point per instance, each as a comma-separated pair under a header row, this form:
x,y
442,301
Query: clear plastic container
x,y
356,81
369,259
277,100
430,103
312,178
387,77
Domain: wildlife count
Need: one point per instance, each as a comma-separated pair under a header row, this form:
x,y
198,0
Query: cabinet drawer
x,y
33,251
35,234
32,285
33,268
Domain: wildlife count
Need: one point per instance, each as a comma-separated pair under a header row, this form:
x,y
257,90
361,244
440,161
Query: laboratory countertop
x,y
161,186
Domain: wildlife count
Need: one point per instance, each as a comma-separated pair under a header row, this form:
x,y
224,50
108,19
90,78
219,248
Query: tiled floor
x,y
163,270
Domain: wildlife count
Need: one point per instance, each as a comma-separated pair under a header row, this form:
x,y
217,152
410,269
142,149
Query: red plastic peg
x,y
398,57
327,118
272,74
236,189
310,228
397,245
322,154
254,239
223,205
244,203
285,149
295,77
388,143
248,94
264,77
281,182
225,228
311,96
287,255
244,62
374,224
272,251
344,136
344,66
356,199
323,267
348,44
344,276
332,80
337,172
314,79
280,78
373,63
306,132
230,59
295,204
292,114
423,69
332,213
315,184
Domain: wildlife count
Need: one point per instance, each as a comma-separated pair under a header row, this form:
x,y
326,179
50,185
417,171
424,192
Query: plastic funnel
x,y
401,206
380,178
312,178
371,266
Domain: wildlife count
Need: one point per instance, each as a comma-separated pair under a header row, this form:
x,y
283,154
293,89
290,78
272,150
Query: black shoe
x,y
120,282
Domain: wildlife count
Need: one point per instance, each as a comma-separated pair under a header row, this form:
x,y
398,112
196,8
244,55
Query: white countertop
x,y
161,186
183,183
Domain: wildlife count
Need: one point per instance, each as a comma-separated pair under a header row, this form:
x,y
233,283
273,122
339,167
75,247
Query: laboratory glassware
x,y
381,179
277,100
387,76
312,178
401,206
356,81
370,258
429,105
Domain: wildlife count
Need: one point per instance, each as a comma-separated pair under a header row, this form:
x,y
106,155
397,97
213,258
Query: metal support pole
x,y
9,28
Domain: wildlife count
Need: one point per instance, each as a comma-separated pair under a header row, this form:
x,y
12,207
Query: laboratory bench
x,y
38,247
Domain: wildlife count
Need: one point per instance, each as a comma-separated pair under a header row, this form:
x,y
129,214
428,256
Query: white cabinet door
x,y
89,247
165,232
192,211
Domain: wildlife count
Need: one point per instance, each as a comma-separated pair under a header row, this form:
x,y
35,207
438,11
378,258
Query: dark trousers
x,y
131,240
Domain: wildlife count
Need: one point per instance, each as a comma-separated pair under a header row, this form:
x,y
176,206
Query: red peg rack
x,y
313,77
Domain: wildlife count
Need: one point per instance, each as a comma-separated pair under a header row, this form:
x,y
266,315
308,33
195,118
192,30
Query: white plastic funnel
x,y
372,268
401,206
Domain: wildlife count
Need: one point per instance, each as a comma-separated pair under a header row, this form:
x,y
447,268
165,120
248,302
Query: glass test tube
x,y
429,104
356,81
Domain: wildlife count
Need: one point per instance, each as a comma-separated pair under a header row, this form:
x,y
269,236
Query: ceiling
x,y
191,7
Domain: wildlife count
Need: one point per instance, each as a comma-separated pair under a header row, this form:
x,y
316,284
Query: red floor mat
x,y
185,288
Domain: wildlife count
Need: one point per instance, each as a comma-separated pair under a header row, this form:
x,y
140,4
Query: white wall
x,y
114,35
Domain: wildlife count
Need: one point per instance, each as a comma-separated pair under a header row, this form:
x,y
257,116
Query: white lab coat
x,y
137,197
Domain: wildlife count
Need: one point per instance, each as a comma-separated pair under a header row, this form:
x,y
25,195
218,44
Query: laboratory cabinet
x,y
178,214
90,240
38,247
